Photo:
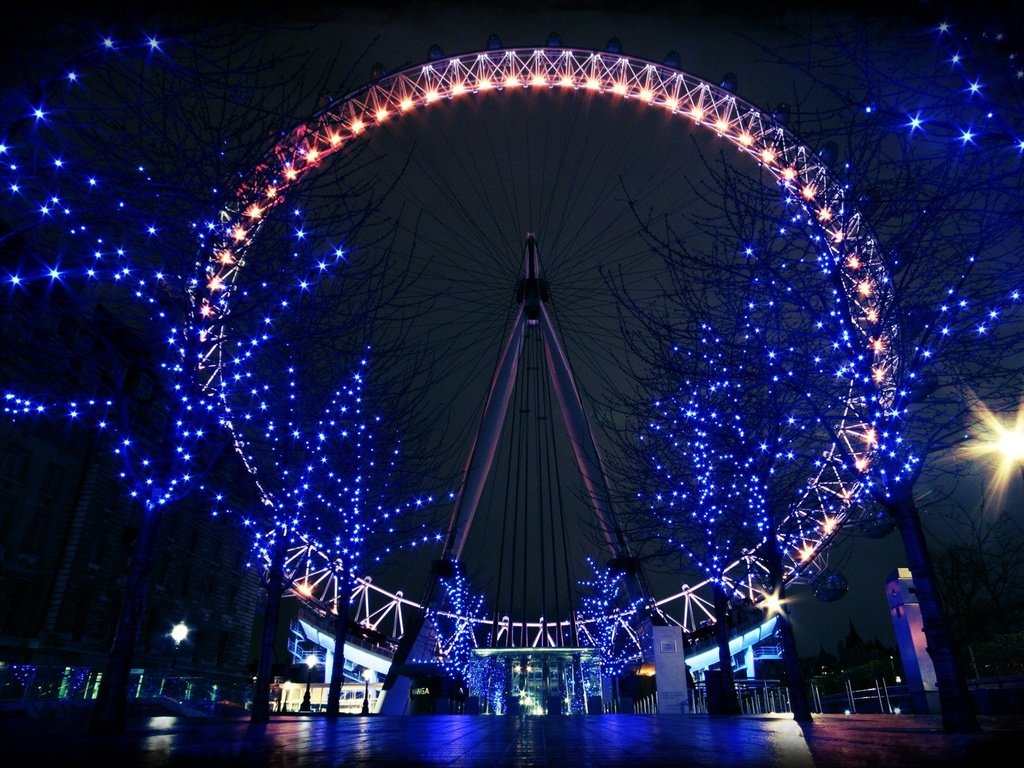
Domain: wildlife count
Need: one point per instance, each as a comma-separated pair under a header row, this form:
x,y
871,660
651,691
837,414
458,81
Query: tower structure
x,y
532,315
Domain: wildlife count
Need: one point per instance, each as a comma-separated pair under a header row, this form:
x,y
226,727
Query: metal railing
x,y
53,690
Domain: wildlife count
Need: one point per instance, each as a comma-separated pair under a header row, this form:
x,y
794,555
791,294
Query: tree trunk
x,y
730,700
958,711
271,613
795,683
108,715
340,636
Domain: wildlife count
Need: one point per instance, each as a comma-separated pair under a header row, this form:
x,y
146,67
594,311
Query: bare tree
x,y
978,566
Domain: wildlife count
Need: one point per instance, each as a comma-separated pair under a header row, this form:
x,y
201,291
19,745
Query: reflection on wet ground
x,y
698,741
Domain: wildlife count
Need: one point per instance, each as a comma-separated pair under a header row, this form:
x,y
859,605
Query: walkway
x,y
695,741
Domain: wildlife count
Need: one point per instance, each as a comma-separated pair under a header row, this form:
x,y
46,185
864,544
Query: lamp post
x,y
310,663
178,633
367,674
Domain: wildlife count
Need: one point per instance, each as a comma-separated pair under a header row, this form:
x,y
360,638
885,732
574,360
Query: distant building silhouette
x,y
67,525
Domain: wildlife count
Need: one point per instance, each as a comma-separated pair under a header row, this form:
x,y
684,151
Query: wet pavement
x,y
696,741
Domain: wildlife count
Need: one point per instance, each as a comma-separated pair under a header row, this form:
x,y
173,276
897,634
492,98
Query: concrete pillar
x,y
748,662
918,670
670,670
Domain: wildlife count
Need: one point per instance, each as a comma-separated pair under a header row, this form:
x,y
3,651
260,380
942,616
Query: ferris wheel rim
x,y
768,143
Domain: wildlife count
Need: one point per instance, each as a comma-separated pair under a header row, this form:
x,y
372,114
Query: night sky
x,y
709,45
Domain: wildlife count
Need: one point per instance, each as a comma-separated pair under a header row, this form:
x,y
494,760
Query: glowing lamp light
x,y
484,84
335,138
254,212
593,84
1002,440
179,632
853,262
768,155
788,174
647,95
809,191
619,88
566,82
825,214
433,96
1011,444
538,79
672,104
511,81
721,125
405,105
458,89
357,127
746,139
772,604
312,156
381,115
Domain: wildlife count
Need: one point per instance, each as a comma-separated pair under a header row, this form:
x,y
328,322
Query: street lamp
x,y
178,633
367,674
310,663
1002,439
1011,445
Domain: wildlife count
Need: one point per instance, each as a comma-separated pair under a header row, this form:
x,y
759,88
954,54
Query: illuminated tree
x,y
606,616
932,163
933,152
118,170
607,620
453,622
369,505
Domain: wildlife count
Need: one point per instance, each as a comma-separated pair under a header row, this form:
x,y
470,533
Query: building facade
x,y
68,523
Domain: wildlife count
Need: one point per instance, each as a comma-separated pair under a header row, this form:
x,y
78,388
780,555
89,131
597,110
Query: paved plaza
x,y
697,741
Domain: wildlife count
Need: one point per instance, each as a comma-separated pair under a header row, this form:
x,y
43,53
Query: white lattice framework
x,y
830,500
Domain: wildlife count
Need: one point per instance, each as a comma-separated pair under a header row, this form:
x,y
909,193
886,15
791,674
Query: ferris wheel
x,y
506,144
